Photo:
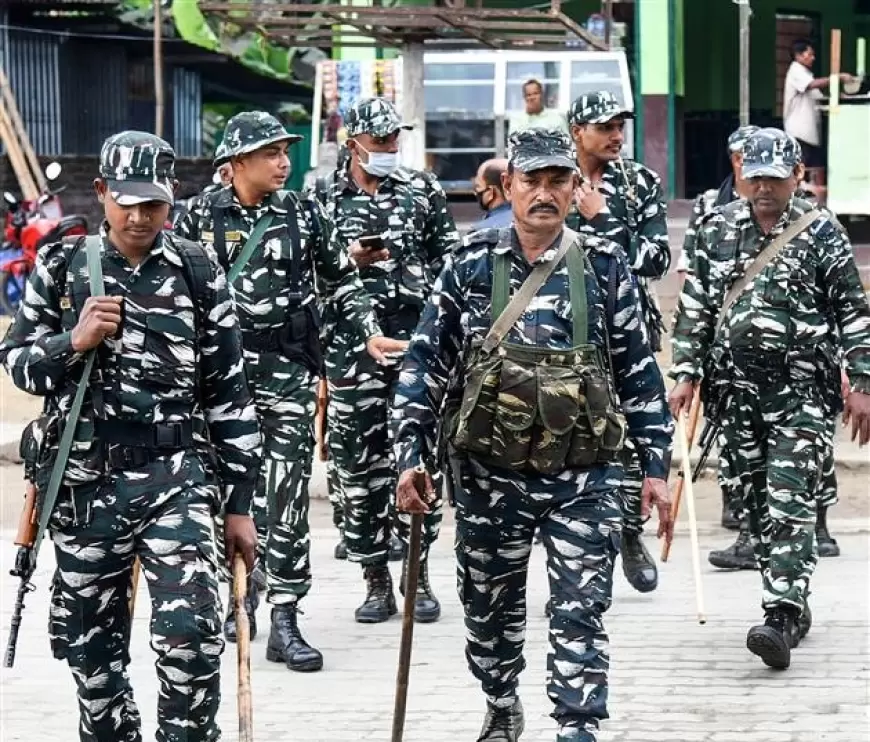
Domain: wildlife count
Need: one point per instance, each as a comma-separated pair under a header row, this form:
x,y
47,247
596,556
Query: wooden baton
x,y
412,575
693,523
684,473
243,644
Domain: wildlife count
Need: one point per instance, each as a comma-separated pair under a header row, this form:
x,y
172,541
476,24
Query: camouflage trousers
x,y
778,444
497,514
632,487
164,518
281,501
827,496
361,452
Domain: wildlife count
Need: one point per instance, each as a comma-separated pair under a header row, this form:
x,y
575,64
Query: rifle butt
x,y
28,523
243,645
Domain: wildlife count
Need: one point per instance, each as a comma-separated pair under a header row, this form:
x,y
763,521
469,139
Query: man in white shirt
x,y
800,111
536,116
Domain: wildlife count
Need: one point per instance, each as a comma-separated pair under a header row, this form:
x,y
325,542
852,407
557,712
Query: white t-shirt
x,y
800,111
548,118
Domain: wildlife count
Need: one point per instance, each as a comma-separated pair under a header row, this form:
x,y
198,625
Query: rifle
x,y
34,521
320,420
412,576
25,566
709,435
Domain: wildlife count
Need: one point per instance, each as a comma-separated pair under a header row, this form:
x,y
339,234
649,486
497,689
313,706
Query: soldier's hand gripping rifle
x,y
34,520
25,565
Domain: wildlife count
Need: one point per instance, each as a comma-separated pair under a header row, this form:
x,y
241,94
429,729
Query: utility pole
x,y
158,69
414,105
607,9
745,15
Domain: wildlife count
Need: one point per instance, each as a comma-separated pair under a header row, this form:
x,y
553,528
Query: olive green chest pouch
x,y
534,409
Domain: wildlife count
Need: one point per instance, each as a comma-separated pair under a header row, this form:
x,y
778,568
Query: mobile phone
x,y
372,242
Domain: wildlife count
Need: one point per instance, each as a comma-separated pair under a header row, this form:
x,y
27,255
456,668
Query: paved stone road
x,y
672,679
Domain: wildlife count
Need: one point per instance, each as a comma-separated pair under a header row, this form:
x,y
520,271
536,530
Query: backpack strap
x,y
198,275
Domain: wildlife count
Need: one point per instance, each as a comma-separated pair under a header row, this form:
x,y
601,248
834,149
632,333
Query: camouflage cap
x,y
374,116
535,149
138,167
249,131
740,136
769,153
597,108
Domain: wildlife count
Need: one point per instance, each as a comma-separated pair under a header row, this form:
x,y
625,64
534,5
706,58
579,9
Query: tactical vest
x,y
533,409
298,339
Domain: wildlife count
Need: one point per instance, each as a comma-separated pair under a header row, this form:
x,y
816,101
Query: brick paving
x,y
672,680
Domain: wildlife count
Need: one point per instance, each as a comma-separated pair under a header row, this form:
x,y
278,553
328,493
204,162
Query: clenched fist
x,y
100,318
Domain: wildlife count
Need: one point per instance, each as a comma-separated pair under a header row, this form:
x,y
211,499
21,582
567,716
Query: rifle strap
x,y
767,256
248,249
93,247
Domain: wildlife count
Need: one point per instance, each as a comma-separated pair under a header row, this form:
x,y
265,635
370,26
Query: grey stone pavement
x,y
672,679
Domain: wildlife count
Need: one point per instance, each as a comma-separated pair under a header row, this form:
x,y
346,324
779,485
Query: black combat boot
x,y
380,603
286,643
341,547
252,600
397,549
427,609
729,521
637,564
804,623
828,546
503,725
740,555
774,639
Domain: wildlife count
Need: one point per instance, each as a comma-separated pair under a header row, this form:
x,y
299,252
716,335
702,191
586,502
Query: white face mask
x,y
380,164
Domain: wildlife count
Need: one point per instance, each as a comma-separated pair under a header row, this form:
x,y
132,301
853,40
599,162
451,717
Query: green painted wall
x,y
655,39
712,47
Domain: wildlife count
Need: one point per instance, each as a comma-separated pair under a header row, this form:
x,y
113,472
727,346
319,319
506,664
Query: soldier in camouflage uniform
x,y
740,554
273,243
539,427
622,201
167,386
406,213
772,370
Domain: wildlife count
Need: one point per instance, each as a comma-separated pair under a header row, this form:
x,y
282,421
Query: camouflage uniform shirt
x,y
794,305
263,290
409,210
459,310
159,369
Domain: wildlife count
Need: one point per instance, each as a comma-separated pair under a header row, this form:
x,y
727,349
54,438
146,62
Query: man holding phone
x,y
398,229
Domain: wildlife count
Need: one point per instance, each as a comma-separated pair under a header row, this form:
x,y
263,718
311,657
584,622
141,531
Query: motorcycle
x,y
29,226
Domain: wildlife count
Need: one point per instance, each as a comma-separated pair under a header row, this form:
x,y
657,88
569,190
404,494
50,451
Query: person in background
x,y
800,109
536,116
490,196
